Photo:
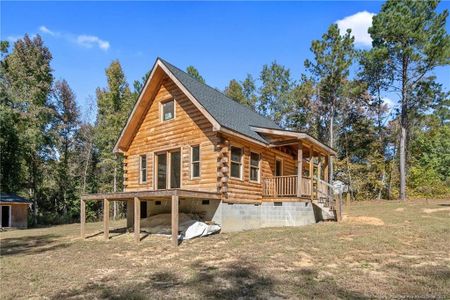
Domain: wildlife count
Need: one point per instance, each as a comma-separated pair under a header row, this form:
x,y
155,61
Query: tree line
x,y
52,155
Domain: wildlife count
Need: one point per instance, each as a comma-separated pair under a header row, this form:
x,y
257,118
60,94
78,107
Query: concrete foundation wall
x,y
238,217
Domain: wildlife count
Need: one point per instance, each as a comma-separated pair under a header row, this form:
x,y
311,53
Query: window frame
x,y
168,154
161,108
141,168
196,162
241,163
257,167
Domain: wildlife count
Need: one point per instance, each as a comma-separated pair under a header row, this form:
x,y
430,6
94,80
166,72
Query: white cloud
x,y
389,102
359,23
45,30
90,41
84,40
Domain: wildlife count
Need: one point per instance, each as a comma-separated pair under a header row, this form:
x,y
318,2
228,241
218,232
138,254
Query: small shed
x,y
13,211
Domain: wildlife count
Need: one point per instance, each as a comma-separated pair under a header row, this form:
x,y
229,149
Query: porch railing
x,y
285,186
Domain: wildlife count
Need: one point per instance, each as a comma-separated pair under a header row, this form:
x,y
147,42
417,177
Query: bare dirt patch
x,y
363,220
433,210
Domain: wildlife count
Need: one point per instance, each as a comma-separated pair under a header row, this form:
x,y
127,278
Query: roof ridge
x,y
217,91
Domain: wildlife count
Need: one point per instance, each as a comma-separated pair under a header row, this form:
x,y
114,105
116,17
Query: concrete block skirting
x,y
237,217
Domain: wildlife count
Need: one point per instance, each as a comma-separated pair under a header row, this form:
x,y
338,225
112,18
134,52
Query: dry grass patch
x,y
403,256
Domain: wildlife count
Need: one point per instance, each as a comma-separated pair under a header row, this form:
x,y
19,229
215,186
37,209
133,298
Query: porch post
x,y
175,220
82,218
325,171
299,169
319,174
311,171
106,219
137,219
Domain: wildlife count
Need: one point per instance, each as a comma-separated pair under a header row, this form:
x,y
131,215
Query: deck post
x,y
106,219
82,218
175,220
311,171
299,169
130,213
137,219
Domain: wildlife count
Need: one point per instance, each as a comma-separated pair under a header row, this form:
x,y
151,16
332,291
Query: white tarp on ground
x,y
190,225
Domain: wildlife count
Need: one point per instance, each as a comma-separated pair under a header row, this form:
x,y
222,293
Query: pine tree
x,y
276,85
191,70
114,103
414,38
67,125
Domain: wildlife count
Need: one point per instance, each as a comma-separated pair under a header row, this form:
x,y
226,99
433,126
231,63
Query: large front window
x,y
254,166
236,162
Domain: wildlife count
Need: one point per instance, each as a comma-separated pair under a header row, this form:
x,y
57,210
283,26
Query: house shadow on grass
x,y
237,280
30,244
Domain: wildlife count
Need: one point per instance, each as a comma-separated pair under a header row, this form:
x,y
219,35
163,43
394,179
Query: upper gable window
x,y
168,110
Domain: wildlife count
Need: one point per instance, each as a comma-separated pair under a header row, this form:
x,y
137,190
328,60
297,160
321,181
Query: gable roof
x,y
11,198
227,112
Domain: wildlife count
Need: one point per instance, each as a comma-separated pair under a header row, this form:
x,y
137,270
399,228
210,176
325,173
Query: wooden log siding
x,y
188,128
248,191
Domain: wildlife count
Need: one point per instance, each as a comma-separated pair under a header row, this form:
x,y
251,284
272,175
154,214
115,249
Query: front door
x,y
279,167
5,216
175,169
168,170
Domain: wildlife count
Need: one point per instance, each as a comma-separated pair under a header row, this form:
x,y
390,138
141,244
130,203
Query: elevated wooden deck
x,y
134,198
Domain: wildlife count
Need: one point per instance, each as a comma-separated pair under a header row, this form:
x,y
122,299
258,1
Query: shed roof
x,y
12,198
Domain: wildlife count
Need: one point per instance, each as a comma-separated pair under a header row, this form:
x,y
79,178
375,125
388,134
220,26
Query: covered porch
x,y
134,199
313,172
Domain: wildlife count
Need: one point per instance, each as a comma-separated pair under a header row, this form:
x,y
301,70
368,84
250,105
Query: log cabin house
x,y
188,147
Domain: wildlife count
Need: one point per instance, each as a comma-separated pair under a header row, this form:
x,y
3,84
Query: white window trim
x,y
199,162
140,169
241,162
10,216
282,165
250,168
161,109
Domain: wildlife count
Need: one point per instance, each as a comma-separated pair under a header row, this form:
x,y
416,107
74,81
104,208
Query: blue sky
x,y
222,40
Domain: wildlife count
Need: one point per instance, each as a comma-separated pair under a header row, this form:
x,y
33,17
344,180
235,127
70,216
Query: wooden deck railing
x,y
285,186
280,186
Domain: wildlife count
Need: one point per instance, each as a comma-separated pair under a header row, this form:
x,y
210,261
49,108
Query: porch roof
x,y
281,137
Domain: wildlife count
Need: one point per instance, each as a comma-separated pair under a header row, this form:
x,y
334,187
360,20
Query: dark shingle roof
x,y
8,198
227,112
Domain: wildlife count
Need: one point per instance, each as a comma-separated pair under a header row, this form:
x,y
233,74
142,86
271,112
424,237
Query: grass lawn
x,y
382,249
